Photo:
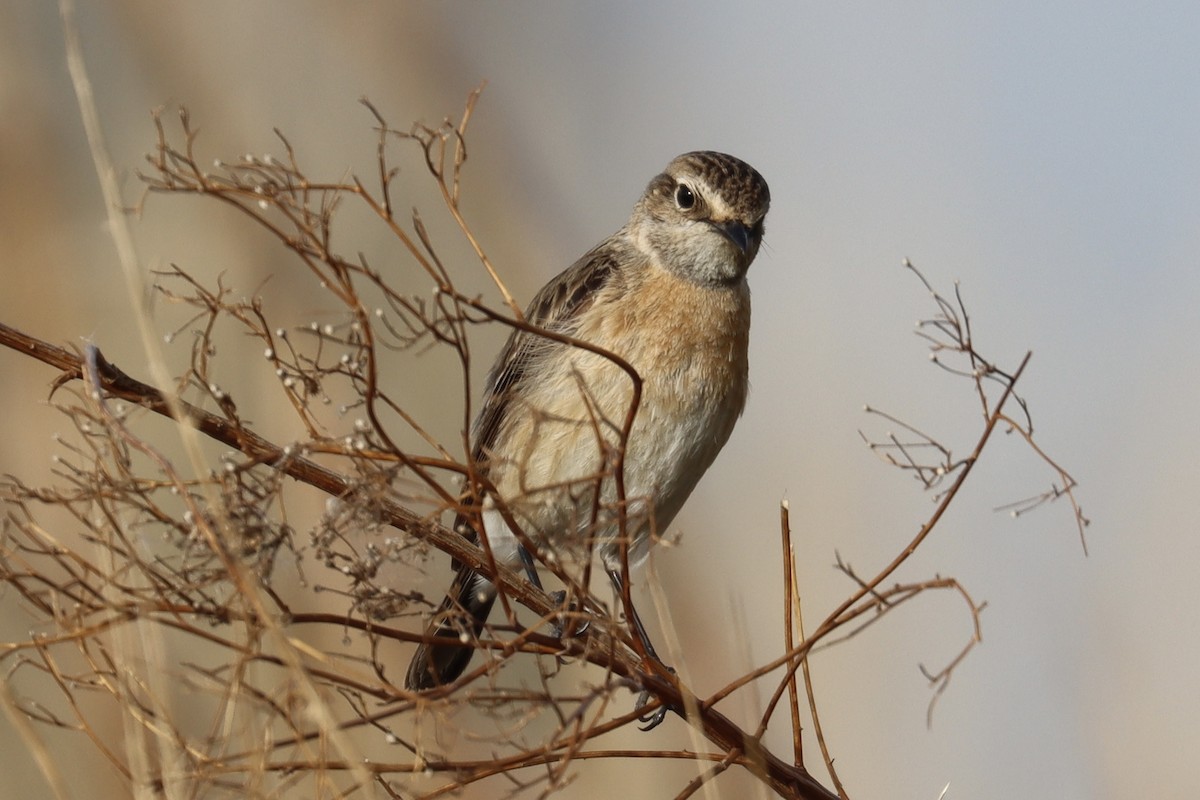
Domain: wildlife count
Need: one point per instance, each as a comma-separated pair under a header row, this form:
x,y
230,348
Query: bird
x,y
666,294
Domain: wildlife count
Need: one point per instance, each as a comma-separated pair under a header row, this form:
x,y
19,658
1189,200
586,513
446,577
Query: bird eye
x,y
684,197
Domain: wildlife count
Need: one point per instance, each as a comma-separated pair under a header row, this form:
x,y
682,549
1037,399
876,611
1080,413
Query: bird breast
x,y
688,342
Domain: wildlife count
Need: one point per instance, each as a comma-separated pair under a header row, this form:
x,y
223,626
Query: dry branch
x,y
210,576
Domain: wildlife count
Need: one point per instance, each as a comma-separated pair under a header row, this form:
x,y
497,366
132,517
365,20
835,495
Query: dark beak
x,y
737,233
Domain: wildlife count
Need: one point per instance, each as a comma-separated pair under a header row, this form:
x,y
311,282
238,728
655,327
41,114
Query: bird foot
x,y
651,719
558,630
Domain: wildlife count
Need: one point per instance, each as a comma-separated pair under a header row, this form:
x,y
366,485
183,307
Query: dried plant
x,y
251,649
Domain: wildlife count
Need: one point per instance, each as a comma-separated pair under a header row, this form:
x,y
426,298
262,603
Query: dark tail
x,y
461,616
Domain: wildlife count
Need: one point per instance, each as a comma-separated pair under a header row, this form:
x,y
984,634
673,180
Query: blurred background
x,y
1043,154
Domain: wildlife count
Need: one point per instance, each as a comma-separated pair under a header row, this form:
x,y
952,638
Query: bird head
x,y
702,217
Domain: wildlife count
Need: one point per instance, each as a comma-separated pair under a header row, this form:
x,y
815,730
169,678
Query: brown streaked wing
x,y
554,308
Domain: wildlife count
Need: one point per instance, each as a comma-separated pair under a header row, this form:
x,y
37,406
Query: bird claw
x,y
557,629
651,719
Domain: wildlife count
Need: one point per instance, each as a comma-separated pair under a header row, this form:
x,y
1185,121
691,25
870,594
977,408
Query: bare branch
x,y
125,542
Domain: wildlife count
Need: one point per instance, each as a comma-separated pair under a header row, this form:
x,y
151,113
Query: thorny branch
x,y
125,540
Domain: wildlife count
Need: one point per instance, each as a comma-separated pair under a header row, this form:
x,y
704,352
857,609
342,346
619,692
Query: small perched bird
x,y
667,293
